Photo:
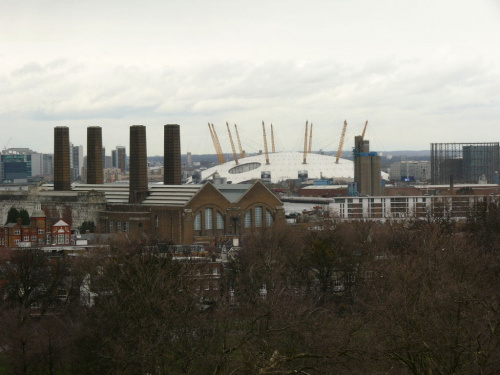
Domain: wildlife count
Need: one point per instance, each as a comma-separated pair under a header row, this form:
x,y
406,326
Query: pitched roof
x,y
61,223
170,195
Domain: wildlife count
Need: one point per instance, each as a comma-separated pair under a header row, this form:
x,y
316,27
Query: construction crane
x,y
272,138
232,144
364,130
215,140
341,143
242,153
265,143
310,138
305,143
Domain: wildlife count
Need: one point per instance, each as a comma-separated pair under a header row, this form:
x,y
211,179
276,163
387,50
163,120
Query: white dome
x,y
282,166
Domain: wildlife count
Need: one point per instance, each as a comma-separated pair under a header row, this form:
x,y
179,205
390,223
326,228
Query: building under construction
x,y
464,162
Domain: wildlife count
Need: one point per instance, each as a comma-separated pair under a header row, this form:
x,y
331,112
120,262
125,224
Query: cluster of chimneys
x,y
138,189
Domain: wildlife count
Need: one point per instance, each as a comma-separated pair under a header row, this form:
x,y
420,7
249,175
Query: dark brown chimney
x,y
138,164
94,155
172,155
62,176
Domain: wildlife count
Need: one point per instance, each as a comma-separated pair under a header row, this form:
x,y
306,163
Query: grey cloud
x,y
389,91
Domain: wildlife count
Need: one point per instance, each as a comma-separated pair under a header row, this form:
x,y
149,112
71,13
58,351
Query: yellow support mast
x,y
341,143
265,143
305,143
242,153
213,140
272,138
310,138
364,130
232,144
218,148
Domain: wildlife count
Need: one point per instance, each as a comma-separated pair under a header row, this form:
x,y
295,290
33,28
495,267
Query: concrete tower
x,y
367,168
172,155
138,164
62,175
94,155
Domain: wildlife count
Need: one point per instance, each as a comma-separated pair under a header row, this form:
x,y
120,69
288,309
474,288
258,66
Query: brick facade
x,y
208,215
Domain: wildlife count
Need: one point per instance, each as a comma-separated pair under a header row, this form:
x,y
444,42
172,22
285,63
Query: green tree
x,y
12,215
25,217
87,226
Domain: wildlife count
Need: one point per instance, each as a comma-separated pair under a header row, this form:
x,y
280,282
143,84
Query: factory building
x,y
175,213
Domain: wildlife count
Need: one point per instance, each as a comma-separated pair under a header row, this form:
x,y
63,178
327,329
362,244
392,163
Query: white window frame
x,y
258,216
248,219
269,218
209,218
197,221
220,221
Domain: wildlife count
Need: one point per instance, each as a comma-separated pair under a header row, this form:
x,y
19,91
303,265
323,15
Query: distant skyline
x,y
419,72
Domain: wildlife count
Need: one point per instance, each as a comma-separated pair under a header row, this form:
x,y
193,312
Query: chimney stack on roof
x,y
138,165
94,155
62,175
172,155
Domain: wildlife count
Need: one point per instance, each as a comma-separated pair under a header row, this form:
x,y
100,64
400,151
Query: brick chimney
x,y
94,155
62,175
172,155
138,165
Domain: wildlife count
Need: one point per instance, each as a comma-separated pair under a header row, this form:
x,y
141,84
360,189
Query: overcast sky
x,y
419,71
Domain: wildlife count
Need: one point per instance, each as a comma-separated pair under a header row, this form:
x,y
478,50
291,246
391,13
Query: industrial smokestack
x,y
94,155
62,175
138,164
172,155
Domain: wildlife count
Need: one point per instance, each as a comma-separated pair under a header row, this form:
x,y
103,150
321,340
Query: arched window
x,y
220,221
258,216
209,218
248,219
269,218
197,221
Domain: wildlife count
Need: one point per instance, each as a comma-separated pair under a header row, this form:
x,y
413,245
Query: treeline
x,y
352,298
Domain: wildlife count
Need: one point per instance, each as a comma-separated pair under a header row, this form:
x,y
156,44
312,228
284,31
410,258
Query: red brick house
x,y
60,233
39,232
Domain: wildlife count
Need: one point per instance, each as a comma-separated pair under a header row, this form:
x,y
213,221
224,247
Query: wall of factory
x,y
177,224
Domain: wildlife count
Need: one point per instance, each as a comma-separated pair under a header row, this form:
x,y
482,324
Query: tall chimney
x,y
172,155
94,155
138,164
62,175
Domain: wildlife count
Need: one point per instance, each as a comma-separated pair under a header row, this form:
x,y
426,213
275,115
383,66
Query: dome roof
x,y
282,166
